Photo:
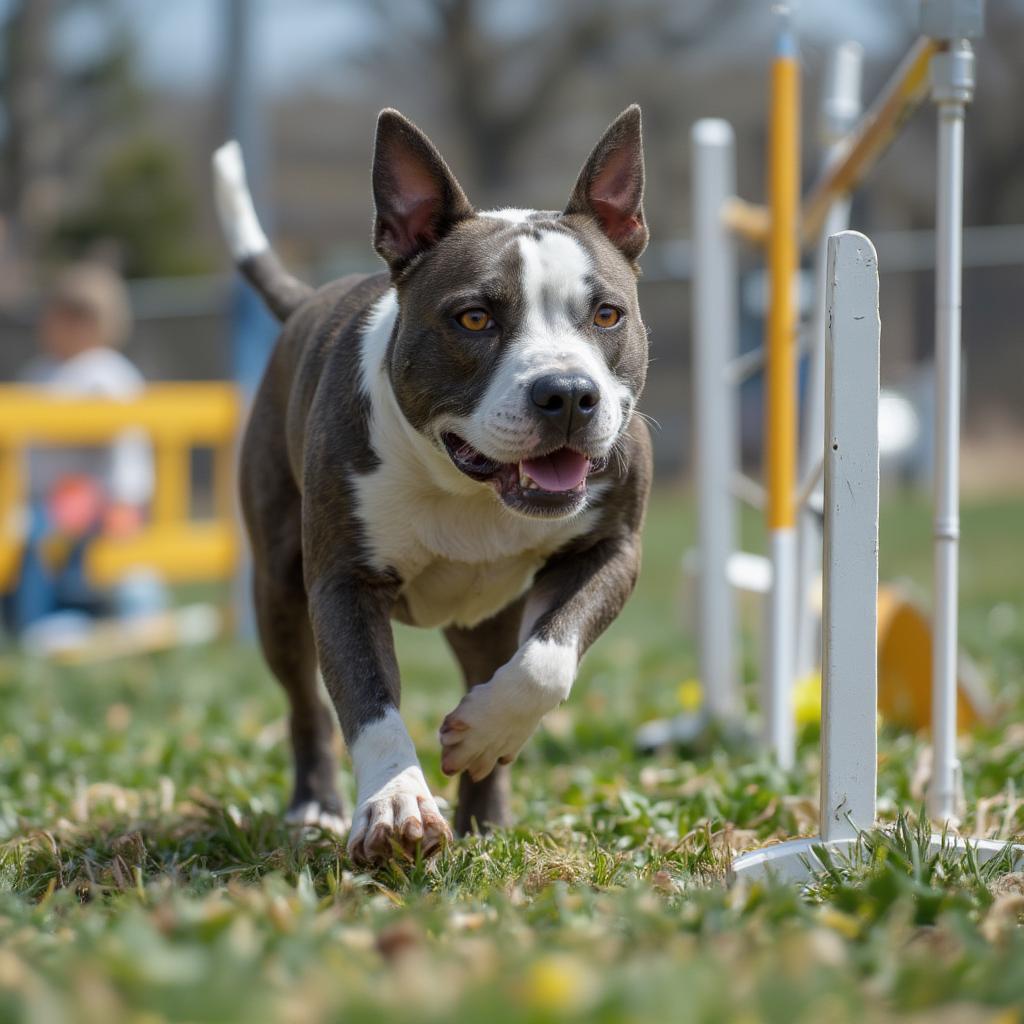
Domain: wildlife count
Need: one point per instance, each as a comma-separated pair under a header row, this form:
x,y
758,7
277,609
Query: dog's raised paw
x,y
486,729
398,819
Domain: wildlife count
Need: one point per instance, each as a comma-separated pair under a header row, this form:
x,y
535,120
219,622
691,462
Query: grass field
x,y
144,873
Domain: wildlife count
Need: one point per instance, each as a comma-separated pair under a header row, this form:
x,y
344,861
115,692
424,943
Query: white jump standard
x,y
849,746
849,742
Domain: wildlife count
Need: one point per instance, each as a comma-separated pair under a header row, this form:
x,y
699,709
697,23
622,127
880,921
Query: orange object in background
x,y
905,669
75,505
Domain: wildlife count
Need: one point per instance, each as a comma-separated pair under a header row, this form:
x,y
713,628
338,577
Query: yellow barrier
x,y
175,418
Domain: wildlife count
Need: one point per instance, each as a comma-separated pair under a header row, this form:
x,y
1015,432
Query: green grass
x,y
144,873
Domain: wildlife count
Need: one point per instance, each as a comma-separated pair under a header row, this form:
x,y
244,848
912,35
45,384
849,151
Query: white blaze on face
x,y
554,338
509,213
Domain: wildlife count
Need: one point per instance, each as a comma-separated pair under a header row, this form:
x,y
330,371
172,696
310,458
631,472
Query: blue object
x,y
41,591
253,333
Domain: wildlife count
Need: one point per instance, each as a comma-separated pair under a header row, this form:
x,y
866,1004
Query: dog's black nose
x,y
568,399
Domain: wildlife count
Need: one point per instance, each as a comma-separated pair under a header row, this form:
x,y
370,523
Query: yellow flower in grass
x,y
558,983
690,695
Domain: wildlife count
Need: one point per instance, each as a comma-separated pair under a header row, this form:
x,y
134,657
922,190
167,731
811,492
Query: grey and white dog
x,y
451,444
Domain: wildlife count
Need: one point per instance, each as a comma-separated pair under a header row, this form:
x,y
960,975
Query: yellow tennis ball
x,y
807,699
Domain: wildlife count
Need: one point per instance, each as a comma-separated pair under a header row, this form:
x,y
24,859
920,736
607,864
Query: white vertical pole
x,y
952,83
849,638
840,109
714,398
779,724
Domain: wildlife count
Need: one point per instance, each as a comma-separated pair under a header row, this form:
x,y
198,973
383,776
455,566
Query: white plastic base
x,y
796,860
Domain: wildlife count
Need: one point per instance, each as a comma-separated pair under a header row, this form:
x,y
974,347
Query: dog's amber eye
x,y
607,316
475,320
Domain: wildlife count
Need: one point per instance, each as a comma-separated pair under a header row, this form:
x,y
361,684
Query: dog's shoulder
x,y
316,355
332,318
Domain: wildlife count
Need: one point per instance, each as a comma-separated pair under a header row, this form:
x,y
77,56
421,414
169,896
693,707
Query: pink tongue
x,y
563,470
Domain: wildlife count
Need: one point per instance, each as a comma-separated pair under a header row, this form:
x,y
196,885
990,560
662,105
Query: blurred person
x,y
79,493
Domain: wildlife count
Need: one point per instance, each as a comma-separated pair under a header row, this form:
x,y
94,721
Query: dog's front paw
x,y
396,819
494,720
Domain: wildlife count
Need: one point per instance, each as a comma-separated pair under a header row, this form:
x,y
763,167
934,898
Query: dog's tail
x,y
252,253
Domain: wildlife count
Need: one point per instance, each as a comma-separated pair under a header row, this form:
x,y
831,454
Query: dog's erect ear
x,y
610,187
417,198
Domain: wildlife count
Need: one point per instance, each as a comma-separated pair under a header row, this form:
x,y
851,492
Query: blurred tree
x,y
75,174
141,207
30,143
54,99
501,73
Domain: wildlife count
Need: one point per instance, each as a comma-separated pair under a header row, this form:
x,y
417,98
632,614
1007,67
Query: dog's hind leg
x,y
287,639
480,652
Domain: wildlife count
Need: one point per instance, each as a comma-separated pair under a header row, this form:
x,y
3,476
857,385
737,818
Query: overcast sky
x,y
298,40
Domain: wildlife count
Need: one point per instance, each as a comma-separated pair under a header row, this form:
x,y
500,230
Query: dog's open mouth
x,y
554,483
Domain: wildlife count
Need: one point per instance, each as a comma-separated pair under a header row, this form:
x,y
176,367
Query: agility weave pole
x,y
952,88
849,744
715,335
791,640
781,406
718,373
840,108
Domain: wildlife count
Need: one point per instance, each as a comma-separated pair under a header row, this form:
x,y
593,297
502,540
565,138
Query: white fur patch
x,y
555,291
237,215
556,263
461,554
382,752
509,213
390,784
493,721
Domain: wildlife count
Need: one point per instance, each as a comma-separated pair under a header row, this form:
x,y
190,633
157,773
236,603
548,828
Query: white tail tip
x,y
237,215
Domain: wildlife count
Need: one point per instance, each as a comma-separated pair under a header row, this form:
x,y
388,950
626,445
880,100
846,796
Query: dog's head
x,y
519,350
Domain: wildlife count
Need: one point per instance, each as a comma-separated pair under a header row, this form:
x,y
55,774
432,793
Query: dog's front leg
x,y
394,807
573,600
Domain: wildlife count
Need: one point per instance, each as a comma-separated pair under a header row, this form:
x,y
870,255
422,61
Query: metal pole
x,y
952,87
253,329
849,613
840,109
714,399
781,419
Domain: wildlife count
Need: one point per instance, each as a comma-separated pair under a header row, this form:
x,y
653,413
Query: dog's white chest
x,y
462,558
464,594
